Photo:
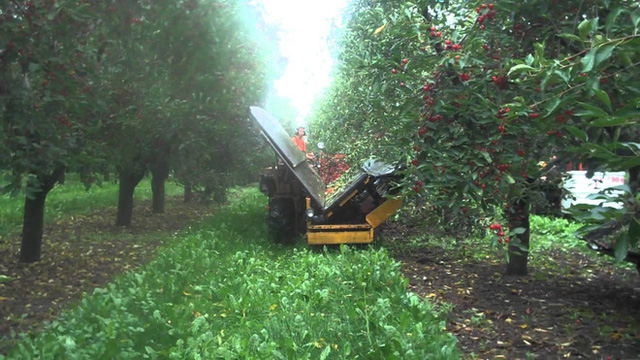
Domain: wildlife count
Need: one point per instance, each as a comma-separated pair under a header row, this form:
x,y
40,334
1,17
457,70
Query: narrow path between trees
x,y
80,253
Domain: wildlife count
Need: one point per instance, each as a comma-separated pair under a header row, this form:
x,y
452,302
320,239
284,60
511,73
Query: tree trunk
x,y
33,221
518,217
32,227
157,188
188,192
160,172
129,179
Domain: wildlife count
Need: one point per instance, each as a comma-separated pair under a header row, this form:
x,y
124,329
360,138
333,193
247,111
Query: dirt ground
x,y
81,253
576,307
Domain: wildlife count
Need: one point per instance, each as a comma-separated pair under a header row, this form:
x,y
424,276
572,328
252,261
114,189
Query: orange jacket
x,y
299,141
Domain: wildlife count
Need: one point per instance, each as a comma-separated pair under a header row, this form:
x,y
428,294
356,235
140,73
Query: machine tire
x,y
282,220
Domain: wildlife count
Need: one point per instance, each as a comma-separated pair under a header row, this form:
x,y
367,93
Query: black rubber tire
x,y
282,220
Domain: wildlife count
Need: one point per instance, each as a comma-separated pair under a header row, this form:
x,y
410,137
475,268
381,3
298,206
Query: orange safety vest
x,y
299,141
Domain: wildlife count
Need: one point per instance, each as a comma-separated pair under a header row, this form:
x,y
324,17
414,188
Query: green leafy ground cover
x,y
72,198
222,290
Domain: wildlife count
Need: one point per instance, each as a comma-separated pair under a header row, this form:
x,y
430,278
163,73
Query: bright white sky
x,y
305,27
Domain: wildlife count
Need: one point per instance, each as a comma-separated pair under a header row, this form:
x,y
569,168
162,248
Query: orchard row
x,y
127,87
473,96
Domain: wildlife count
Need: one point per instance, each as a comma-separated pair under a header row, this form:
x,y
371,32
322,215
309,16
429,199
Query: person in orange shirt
x,y
299,141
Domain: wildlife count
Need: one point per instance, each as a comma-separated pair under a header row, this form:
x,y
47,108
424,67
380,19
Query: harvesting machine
x,y
300,202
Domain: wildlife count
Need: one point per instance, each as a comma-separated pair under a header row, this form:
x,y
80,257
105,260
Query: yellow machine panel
x,y
339,227
352,233
383,212
339,237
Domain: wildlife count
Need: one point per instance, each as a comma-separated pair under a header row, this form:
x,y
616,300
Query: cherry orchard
x,y
127,86
47,62
452,87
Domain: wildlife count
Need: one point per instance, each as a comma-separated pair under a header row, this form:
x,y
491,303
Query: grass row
x,y
72,198
222,290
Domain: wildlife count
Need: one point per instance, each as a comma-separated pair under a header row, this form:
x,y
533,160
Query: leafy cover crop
x,y
558,233
223,291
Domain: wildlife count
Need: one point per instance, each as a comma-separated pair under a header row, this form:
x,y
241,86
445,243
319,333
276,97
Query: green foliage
x,y
127,85
47,65
554,233
473,96
69,199
132,87
548,234
222,290
216,145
